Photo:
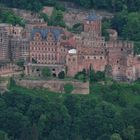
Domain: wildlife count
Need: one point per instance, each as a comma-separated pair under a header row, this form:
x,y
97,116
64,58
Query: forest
x,y
109,112
111,5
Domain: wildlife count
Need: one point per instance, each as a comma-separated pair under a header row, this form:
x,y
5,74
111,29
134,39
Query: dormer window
x,y
37,36
50,37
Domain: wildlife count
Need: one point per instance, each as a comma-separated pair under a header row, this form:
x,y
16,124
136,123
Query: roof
x,y
44,32
93,17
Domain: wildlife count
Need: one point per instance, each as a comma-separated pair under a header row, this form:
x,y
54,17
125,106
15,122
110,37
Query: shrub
x,y
68,88
81,75
46,72
61,75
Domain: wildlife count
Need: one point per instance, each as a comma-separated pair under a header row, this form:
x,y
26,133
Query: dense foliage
x,y
109,112
46,72
111,5
7,16
61,75
127,25
56,18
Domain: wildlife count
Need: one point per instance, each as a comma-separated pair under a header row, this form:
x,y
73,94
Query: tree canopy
x,y
108,112
111,5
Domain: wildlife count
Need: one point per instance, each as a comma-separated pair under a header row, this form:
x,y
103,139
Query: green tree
x,y
82,76
20,63
132,27
116,136
129,133
3,136
44,16
68,88
99,76
25,134
46,72
41,125
34,132
91,74
61,75
57,18
106,24
8,16
137,47
11,83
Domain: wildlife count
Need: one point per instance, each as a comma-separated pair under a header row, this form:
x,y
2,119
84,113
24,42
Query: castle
x,y
40,45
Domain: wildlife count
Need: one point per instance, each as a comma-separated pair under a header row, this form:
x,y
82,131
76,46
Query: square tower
x,y
4,43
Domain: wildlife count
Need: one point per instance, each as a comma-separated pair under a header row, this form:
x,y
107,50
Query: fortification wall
x,y
55,85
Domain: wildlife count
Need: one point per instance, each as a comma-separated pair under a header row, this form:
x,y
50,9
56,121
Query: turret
x,y
93,22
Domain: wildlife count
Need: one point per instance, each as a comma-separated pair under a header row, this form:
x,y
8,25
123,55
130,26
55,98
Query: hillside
x,y
111,111
108,112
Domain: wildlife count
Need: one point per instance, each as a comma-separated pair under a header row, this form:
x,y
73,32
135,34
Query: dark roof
x,y
93,17
44,32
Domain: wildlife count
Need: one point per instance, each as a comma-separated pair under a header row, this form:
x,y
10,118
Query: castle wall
x,y
56,85
136,65
41,45
4,43
19,49
36,69
6,69
46,48
93,23
120,58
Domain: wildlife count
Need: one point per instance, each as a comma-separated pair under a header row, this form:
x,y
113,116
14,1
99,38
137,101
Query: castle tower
x,y
120,58
4,42
93,23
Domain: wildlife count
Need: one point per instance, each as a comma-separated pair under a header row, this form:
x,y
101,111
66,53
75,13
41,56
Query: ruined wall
x,y
6,69
136,66
4,42
55,85
120,58
19,49
36,69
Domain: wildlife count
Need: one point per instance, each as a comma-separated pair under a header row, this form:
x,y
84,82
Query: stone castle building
x,y
4,42
40,45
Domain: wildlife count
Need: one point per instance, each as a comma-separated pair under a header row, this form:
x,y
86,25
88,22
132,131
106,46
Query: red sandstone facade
x,y
40,46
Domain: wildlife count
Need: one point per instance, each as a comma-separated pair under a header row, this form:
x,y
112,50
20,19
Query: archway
x,y
54,74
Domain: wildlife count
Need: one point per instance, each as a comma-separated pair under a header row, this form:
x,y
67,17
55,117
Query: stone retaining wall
x,y
55,85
